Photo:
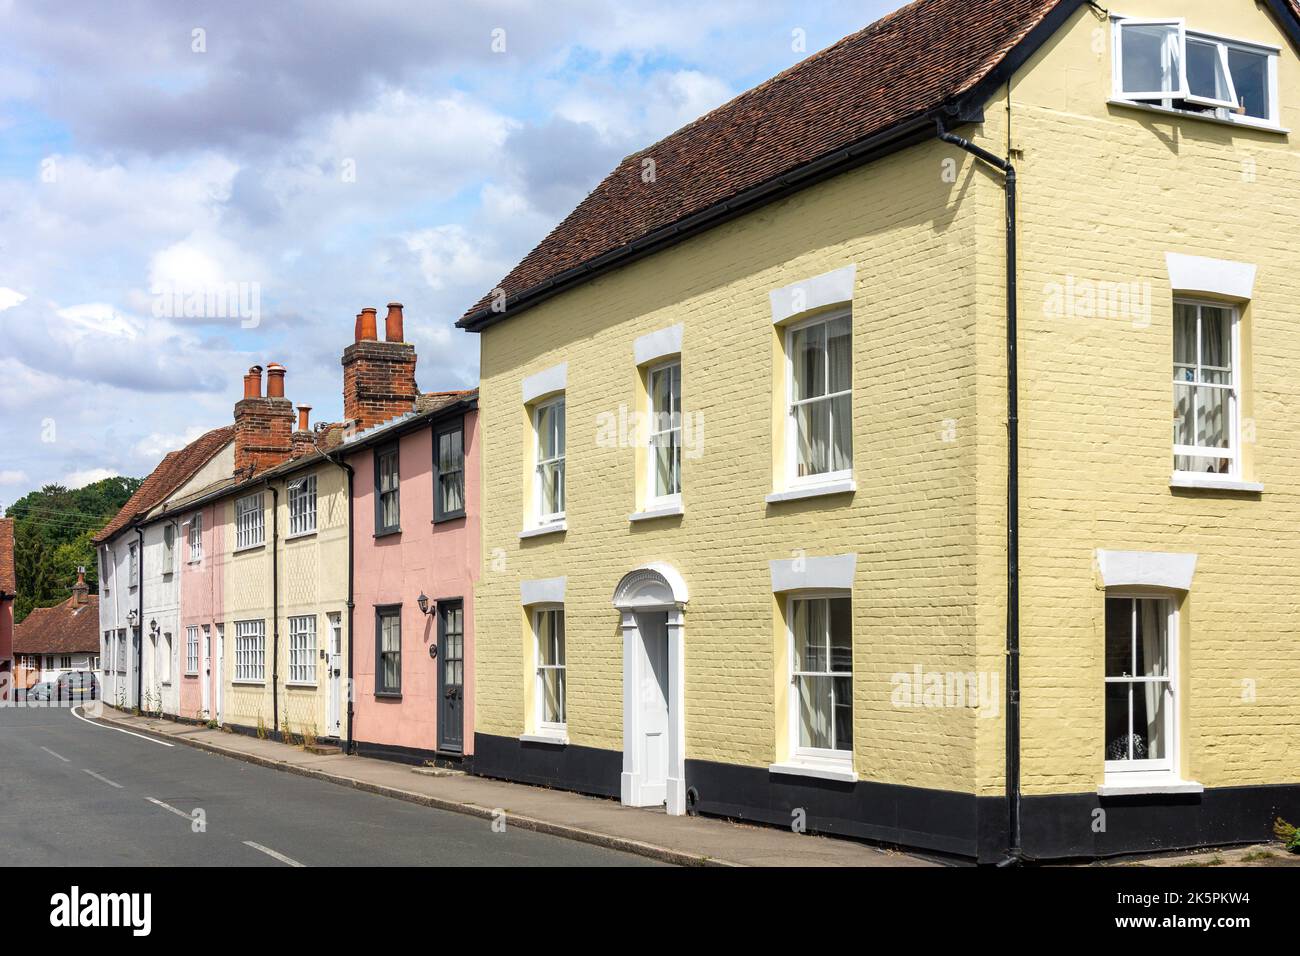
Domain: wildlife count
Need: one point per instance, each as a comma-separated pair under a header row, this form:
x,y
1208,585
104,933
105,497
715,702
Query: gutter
x,y
1014,854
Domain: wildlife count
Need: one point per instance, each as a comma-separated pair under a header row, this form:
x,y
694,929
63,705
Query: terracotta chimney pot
x,y
253,382
369,330
304,417
275,380
393,323
356,329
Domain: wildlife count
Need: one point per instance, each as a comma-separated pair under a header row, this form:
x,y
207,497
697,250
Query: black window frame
x,y
382,452
438,432
382,611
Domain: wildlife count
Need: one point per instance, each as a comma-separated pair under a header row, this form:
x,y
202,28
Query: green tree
x,y
53,528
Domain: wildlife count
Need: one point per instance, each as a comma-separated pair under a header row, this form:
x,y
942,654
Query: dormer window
x,y
1163,64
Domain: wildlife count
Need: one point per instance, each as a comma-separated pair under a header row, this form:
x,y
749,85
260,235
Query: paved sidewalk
x,y
1261,854
688,841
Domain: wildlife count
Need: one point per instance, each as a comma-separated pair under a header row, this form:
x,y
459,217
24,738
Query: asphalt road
x,y
76,793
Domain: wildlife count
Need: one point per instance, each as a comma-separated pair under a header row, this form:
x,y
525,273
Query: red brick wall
x,y
378,381
263,432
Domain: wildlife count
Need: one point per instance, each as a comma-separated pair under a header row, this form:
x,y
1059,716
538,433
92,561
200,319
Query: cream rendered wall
x,y
904,224
312,580
1106,191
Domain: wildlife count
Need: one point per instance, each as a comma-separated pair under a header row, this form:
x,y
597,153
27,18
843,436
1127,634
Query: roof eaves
x,y
961,105
396,427
898,136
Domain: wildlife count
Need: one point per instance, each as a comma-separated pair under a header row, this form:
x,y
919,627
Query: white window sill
x,y
249,547
300,685
545,529
1214,483
555,740
301,534
822,771
1140,782
841,487
1248,122
650,514
249,683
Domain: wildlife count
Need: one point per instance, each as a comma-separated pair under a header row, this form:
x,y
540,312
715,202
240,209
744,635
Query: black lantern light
x,y
423,601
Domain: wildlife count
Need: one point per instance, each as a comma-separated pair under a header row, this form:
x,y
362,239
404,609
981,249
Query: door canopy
x,y
656,585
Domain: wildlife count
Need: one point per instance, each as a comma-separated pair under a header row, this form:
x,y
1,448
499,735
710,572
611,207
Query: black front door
x,y
451,676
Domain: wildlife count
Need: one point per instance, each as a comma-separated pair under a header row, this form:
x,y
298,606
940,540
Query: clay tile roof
x,y
8,580
172,472
904,66
63,629
433,401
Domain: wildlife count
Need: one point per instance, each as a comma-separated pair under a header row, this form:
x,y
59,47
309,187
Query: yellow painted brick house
x,y
757,460
267,581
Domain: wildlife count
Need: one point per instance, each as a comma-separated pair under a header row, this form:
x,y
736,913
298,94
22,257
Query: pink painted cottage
x,y
415,553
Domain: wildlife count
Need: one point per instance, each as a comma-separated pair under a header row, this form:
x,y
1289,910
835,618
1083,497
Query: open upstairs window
x,y
1162,63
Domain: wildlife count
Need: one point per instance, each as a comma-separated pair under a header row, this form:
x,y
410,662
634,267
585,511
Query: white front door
x,y
652,706
333,703
206,680
217,678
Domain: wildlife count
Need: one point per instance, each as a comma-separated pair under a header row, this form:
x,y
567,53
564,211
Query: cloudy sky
x,y
321,156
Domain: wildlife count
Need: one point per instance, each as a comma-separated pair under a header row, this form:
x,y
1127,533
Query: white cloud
x,y
12,476
158,444
167,169
9,298
79,479
448,253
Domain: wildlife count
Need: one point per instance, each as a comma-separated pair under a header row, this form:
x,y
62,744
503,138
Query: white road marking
x,y
102,779
129,733
271,853
168,806
53,754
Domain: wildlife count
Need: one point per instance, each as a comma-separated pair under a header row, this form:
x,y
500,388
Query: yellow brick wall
x,y
1106,191
912,520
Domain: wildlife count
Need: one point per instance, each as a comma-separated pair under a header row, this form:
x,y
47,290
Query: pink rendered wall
x,y
442,561
202,603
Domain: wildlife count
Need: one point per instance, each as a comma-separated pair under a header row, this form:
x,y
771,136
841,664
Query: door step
x,y
438,771
323,750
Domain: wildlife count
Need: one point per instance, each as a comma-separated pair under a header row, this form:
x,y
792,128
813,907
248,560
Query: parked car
x,y
44,690
77,685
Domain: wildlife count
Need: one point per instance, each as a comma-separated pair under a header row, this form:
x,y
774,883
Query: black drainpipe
x,y
351,606
1013,501
275,604
139,596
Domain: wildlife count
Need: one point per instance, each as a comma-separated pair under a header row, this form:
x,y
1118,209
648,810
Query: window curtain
x,y
391,655
1154,623
809,624
839,360
1213,402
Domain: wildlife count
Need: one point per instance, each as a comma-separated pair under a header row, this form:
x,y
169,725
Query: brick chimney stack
x,y
378,377
303,439
81,588
263,425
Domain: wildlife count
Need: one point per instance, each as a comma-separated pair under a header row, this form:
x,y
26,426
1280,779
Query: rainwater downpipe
x,y
351,579
138,639
275,604
1014,854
